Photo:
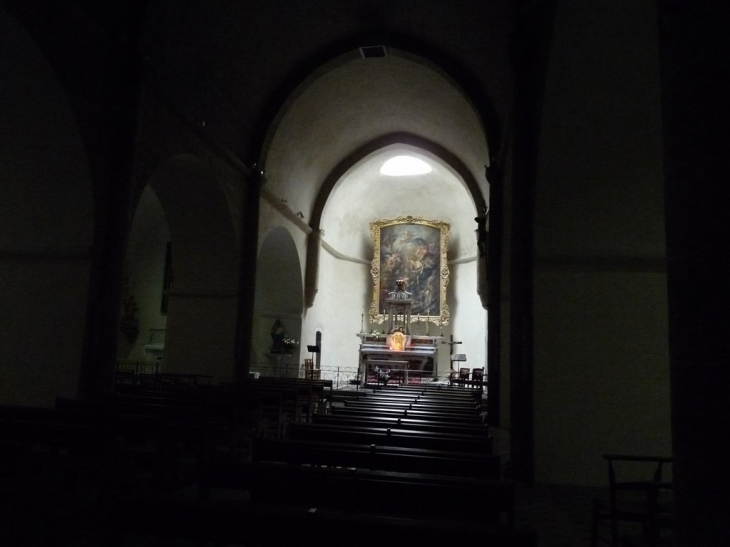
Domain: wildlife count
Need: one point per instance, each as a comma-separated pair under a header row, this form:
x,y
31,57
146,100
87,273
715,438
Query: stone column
x,y
311,278
494,268
695,89
110,122
531,45
251,197
482,234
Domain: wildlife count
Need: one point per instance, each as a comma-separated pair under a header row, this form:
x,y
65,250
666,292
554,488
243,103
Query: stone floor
x,y
560,514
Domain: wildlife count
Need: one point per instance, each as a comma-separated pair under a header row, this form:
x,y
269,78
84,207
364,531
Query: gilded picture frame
x,y
414,249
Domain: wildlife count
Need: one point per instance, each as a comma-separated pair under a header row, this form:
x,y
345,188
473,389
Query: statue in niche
x,y
277,337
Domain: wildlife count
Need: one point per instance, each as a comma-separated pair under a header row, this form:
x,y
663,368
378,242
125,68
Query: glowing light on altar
x,y
398,341
401,166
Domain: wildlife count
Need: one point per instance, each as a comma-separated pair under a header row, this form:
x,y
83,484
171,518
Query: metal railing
x,y
340,376
138,367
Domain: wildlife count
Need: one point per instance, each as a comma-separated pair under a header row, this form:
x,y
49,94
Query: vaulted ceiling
x,y
332,136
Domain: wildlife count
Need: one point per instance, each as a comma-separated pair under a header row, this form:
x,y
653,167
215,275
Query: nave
x,y
269,461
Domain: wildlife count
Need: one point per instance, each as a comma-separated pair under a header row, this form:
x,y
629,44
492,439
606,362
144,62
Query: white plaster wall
x,y
470,320
344,291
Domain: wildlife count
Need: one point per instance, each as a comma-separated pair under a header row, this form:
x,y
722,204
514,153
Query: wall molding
x,y
277,203
337,254
464,260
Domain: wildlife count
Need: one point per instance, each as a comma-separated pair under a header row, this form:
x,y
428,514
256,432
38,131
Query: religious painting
x,y
412,249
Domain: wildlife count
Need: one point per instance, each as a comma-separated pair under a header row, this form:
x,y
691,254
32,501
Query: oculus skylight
x,y
401,166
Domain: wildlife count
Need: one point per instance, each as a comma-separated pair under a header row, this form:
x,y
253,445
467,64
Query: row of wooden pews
x,y
398,463
261,462
102,464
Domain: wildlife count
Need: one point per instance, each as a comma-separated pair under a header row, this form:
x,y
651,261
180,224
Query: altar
x,y
419,359
397,353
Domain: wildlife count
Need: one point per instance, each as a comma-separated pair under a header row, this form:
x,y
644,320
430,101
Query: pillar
x,y
531,44
695,89
251,197
111,121
311,278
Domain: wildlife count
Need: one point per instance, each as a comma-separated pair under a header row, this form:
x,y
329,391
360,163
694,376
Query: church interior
x,y
196,197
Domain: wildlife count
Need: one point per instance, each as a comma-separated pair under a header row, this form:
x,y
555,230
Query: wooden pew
x,y
381,492
213,520
397,413
161,443
317,394
245,410
443,390
429,495
224,522
388,458
45,452
425,407
465,405
405,423
391,437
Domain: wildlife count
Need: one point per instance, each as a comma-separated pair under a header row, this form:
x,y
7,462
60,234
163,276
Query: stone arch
x,y
343,115
46,226
279,295
308,73
144,283
449,158
202,305
310,144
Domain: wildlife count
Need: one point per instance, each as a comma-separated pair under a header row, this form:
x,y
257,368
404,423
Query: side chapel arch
x,y
202,304
278,296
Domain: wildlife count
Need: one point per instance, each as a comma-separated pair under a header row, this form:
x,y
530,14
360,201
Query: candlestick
x,y
441,324
428,320
362,321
